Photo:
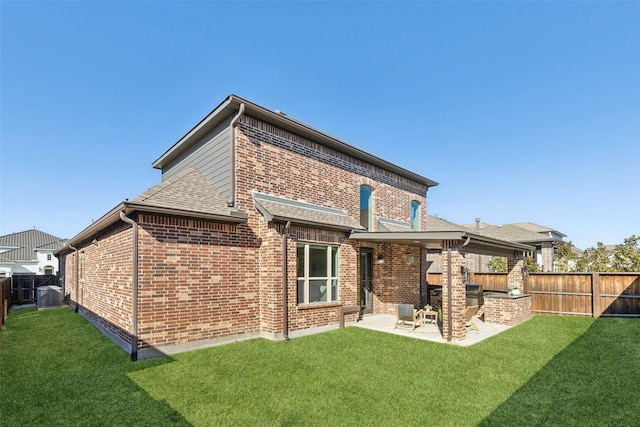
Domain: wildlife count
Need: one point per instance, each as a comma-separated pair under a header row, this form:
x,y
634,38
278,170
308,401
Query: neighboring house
x,y
262,227
544,240
29,252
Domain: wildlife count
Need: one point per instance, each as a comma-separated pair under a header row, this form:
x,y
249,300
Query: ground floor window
x,y
317,267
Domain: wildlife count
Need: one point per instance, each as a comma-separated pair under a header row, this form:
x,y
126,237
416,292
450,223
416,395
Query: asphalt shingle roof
x,y
438,224
281,208
385,224
508,232
188,190
25,243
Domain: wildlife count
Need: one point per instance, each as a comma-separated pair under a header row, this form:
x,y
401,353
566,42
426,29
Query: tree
x,y
564,256
595,259
498,264
626,256
531,265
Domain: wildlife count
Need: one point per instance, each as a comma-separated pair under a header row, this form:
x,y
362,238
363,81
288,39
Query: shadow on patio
x,y
430,331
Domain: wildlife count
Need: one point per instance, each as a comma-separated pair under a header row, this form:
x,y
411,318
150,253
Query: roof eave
x,y
113,216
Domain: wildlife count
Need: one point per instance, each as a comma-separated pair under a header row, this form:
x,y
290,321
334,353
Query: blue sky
x,y
522,111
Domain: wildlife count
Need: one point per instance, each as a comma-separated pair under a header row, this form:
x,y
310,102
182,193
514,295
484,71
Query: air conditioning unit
x,y
49,296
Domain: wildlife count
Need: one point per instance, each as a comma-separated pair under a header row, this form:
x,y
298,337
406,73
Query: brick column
x,y
514,274
453,324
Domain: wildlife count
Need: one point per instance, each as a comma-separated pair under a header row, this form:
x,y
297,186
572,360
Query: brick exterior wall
x,y
103,278
203,281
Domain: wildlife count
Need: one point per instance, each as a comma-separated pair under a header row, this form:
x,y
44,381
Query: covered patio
x,y
453,245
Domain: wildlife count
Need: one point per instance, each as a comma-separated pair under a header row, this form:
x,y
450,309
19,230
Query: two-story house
x,y
262,226
29,252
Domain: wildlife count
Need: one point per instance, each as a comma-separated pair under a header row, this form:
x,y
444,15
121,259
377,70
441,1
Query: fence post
x,y
595,295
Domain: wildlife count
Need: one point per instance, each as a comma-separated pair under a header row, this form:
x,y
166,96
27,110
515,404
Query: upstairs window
x,y
415,215
366,208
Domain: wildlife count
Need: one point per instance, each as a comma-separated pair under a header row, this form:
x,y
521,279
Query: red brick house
x,y
262,227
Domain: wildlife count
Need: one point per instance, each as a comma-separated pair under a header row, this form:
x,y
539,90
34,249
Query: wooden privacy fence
x,y
5,298
574,294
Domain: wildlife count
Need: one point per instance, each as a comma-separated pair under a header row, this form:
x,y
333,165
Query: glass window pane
x,y
300,291
334,290
415,215
300,261
317,261
317,290
365,207
334,261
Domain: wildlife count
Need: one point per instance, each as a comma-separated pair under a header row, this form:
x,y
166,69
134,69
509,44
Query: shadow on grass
x,y
593,381
58,369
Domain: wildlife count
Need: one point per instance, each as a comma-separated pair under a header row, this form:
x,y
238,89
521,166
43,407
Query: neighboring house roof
x,y
22,246
234,104
386,224
281,209
537,228
438,224
509,232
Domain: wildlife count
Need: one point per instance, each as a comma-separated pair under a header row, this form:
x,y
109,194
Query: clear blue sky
x,y
522,111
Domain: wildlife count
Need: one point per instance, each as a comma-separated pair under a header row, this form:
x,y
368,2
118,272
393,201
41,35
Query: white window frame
x,y
329,278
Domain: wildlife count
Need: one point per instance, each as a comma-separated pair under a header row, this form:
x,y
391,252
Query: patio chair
x,y
407,316
468,316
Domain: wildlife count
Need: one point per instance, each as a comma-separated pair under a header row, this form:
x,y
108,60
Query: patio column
x,y
453,293
515,279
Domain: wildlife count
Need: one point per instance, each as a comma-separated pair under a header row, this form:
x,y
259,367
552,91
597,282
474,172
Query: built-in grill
x,y
473,295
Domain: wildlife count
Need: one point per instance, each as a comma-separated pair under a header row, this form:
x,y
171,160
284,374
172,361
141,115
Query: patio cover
x,y
447,240
473,243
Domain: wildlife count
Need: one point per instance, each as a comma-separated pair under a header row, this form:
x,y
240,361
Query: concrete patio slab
x,y
430,331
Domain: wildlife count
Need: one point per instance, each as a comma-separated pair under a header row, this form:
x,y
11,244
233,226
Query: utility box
x,y
49,296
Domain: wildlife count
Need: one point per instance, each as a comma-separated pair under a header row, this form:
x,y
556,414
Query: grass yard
x,y
57,369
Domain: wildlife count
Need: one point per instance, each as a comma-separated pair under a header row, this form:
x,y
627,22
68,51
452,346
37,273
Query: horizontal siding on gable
x,y
211,155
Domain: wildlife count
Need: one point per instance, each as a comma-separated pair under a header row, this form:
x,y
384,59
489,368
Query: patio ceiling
x,y
473,243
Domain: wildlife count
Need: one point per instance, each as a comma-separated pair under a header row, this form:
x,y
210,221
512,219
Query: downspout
x,y
234,122
75,275
134,287
449,293
285,275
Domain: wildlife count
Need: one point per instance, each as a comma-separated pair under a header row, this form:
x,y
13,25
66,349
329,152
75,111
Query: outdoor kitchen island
x,y
503,309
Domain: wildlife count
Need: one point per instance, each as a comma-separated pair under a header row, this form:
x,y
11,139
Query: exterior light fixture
x,y
380,259
409,258
465,272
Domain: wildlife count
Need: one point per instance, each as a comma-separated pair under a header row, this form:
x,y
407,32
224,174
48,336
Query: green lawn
x,y
56,369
